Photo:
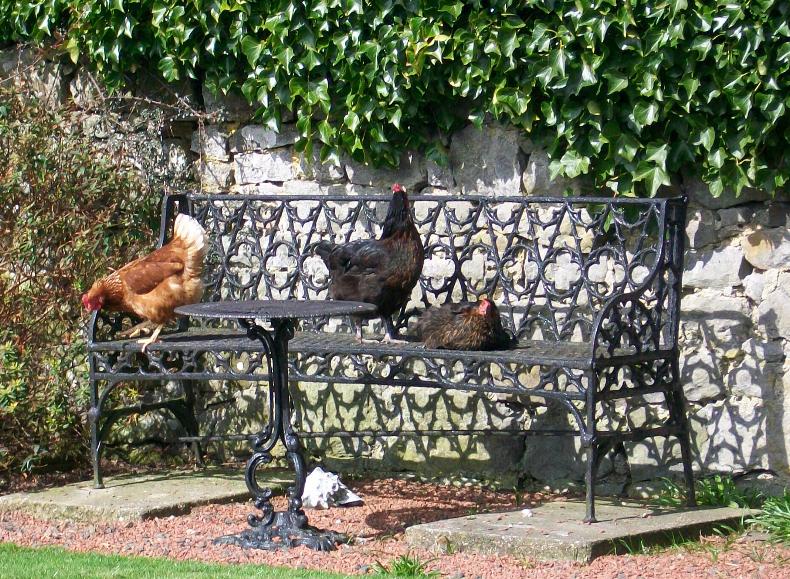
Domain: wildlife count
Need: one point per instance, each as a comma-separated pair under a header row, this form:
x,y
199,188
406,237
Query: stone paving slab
x,y
555,530
138,497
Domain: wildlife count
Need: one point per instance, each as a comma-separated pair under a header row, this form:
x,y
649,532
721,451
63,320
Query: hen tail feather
x,y
188,230
193,236
324,249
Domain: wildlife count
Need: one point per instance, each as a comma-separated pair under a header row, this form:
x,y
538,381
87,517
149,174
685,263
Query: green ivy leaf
x,y
251,49
326,131
627,147
716,158
704,85
617,81
168,68
653,176
571,165
657,153
644,114
73,48
557,62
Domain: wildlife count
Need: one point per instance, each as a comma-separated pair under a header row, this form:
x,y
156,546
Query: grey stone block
x,y
487,161
230,107
85,90
211,143
214,176
43,78
324,173
259,138
714,268
774,214
411,173
768,248
700,228
774,312
736,216
710,302
275,165
555,531
178,156
699,194
439,176
753,285
135,497
536,181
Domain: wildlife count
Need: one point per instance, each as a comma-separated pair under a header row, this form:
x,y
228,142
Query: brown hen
x,y
464,326
153,286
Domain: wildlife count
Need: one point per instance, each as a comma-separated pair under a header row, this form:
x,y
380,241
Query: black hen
x,y
378,271
464,326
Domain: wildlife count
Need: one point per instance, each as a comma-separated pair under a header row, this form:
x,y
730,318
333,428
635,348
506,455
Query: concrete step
x,y
555,531
138,497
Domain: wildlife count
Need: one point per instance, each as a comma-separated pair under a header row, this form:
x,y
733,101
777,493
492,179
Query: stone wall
x,y
735,331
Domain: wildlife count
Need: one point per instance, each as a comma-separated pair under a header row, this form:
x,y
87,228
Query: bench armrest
x,y
625,326
631,323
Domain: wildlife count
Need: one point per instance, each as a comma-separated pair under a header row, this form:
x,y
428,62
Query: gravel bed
x,y
390,506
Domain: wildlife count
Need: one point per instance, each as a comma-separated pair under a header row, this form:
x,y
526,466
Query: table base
x,y
272,530
285,532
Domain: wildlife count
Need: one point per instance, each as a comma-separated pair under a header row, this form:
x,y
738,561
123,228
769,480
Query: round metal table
x,y
273,530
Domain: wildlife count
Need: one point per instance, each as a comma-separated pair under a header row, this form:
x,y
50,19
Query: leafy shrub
x,y
717,490
67,213
775,517
629,92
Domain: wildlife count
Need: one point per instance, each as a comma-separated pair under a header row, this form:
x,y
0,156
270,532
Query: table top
x,y
274,309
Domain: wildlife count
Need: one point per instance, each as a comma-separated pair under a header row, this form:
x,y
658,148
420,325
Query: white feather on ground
x,y
323,489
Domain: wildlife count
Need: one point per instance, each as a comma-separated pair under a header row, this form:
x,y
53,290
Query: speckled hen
x,y
464,326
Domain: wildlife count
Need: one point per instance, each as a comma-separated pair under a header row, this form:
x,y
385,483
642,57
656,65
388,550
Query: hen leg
x,y
135,331
358,332
150,340
391,334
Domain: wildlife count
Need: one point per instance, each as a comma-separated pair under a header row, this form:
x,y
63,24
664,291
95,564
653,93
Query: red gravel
x,y
391,505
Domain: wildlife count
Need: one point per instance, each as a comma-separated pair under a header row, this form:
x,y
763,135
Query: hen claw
x,y
387,339
151,339
136,330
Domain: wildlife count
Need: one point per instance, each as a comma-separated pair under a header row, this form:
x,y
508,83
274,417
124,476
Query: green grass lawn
x,y
52,562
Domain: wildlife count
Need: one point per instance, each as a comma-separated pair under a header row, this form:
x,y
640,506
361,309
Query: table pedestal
x,y
274,530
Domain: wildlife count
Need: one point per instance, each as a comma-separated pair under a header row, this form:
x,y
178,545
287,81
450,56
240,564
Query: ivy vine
x,y
629,92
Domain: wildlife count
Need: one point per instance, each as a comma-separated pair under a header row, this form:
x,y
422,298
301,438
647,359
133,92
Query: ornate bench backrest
x,y
550,264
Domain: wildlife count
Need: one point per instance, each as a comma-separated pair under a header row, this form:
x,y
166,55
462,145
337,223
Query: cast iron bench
x,y
590,286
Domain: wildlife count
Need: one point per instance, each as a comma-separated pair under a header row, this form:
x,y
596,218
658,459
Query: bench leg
x,y
688,472
593,456
186,416
590,439
677,411
93,418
